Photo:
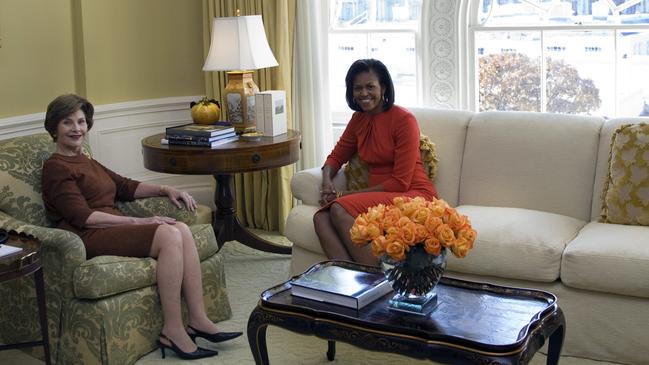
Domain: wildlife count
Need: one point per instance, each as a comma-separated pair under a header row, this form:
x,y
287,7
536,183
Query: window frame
x,y
472,26
340,118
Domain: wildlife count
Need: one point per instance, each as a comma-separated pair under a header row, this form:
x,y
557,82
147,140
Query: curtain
x,y
311,104
263,198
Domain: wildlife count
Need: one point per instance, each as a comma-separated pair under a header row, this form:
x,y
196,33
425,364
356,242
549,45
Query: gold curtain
x,y
263,198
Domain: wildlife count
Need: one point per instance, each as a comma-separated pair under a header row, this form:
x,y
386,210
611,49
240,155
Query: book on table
x,y
212,144
6,250
339,285
199,130
198,140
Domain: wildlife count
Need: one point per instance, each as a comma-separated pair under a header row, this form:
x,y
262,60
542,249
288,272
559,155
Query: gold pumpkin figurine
x,y
205,111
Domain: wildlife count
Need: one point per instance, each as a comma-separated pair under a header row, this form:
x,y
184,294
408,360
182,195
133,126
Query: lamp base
x,y
240,101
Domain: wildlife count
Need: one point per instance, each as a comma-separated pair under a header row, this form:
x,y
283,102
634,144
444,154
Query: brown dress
x,y
76,186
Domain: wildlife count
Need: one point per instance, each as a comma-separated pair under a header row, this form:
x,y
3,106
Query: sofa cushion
x,y
447,130
537,161
610,258
516,243
626,191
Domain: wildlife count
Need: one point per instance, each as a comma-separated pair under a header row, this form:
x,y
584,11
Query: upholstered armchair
x,y
100,311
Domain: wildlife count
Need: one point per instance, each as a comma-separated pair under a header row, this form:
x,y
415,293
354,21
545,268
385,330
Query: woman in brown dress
x,y
79,195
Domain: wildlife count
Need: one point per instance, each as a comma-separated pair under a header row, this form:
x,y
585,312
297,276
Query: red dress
x,y
389,144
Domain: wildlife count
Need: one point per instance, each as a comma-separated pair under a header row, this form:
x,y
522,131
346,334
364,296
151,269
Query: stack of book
x,y
200,135
333,284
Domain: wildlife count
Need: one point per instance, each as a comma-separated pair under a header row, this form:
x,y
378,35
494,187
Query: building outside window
x,y
587,57
381,29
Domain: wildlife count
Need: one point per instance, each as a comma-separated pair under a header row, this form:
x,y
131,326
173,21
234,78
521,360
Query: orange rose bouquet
x,y
412,235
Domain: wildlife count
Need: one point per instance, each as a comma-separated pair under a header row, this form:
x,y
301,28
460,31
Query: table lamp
x,y
239,46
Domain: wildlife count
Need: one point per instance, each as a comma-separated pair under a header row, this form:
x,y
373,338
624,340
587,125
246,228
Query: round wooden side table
x,y
20,264
222,162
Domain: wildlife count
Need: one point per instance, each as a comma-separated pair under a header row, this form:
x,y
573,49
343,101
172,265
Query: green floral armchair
x,y
104,310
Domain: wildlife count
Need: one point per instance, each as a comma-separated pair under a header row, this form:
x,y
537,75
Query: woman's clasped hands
x,y
328,193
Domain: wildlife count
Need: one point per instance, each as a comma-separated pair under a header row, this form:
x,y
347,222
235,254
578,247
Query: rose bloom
x,y
460,247
445,234
468,234
456,221
437,211
396,250
433,246
432,223
420,215
373,230
409,209
358,234
378,246
394,234
375,214
399,201
408,232
421,233
391,216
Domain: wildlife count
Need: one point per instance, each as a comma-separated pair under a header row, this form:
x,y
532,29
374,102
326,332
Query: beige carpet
x,y
248,272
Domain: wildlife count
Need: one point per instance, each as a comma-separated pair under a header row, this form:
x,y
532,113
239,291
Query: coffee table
x,y
474,323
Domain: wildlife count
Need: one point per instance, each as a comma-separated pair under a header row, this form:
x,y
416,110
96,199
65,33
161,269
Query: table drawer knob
x,y
256,158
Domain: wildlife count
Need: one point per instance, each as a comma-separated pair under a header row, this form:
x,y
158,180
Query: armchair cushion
x,y
104,276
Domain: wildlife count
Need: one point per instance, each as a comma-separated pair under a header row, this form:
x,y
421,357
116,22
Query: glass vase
x,y
414,280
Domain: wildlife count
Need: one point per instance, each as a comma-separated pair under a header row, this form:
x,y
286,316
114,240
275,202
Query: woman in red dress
x,y
79,195
386,138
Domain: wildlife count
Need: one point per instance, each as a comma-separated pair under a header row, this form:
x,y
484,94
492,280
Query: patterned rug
x,y
248,272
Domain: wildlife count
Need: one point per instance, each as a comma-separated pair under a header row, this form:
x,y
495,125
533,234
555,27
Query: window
x,y
584,57
381,29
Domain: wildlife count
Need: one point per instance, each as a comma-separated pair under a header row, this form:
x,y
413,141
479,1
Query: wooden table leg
x,y
331,350
227,226
556,341
257,337
42,312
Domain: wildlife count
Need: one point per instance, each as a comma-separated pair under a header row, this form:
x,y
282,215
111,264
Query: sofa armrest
x,y
306,184
161,206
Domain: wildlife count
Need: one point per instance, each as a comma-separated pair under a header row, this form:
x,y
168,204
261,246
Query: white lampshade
x,y
239,43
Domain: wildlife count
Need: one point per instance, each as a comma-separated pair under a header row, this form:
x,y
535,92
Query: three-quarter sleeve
x,y
62,197
346,145
125,187
406,152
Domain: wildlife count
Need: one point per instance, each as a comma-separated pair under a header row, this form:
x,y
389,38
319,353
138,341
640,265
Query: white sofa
x,y
531,184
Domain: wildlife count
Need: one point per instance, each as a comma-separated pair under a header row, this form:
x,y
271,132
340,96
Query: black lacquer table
x,y
474,323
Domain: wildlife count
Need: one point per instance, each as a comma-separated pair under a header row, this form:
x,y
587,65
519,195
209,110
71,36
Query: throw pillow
x,y
626,191
356,172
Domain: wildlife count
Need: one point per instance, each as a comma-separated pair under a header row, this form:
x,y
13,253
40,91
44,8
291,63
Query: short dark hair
x,y
64,105
367,65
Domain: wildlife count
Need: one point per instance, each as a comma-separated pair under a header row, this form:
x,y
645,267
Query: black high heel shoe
x,y
198,354
213,337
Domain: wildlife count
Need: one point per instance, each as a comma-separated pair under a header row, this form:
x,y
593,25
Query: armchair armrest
x,y
306,184
61,253
162,206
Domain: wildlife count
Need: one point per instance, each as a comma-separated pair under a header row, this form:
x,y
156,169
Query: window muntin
x,y
591,65
381,29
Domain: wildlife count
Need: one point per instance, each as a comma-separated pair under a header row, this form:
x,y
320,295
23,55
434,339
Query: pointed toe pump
x,y
213,337
198,354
